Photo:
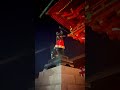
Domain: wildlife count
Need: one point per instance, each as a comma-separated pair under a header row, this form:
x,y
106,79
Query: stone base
x,y
60,78
60,60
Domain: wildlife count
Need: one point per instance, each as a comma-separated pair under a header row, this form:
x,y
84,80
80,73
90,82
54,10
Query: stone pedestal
x,y
60,78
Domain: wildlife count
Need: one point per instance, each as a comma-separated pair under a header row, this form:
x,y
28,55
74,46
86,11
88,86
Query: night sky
x,y
16,45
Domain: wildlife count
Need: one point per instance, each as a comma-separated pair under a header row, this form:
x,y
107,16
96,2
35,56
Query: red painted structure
x,y
101,15
70,14
104,16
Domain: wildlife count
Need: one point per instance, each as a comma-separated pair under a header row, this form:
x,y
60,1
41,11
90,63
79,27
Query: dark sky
x,y
16,45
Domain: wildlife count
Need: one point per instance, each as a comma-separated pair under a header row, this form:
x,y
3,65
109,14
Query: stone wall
x,y
60,78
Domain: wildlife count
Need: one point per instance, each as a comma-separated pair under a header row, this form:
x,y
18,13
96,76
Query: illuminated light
x,y
114,29
87,7
83,38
